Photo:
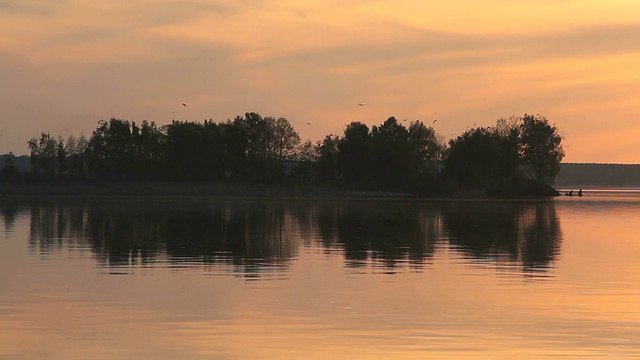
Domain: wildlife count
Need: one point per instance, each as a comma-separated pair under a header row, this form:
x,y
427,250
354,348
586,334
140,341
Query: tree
x,y
109,152
62,157
281,142
120,149
43,154
193,151
285,138
517,155
328,158
270,143
235,144
305,162
9,172
354,155
540,148
481,158
428,149
146,142
393,159
75,149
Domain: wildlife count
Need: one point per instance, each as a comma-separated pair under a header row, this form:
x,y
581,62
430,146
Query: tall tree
x,y
193,151
235,139
75,148
120,149
9,172
62,157
43,154
354,155
541,148
328,158
481,158
285,138
270,143
427,145
393,159
183,150
305,162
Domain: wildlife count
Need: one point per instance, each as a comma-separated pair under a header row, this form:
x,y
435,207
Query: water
x,y
168,278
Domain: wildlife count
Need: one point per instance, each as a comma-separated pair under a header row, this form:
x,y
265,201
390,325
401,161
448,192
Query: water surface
x,y
166,278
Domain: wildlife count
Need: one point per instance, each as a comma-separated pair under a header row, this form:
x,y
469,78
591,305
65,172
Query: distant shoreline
x,y
592,175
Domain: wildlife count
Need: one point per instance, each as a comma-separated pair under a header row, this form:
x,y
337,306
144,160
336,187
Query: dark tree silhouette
x,y
482,159
9,172
541,148
427,146
76,153
328,151
393,158
43,155
236,144
193,151
516,156
119,149
354,155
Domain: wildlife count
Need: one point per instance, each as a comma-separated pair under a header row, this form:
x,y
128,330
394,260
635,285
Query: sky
x,y
66,64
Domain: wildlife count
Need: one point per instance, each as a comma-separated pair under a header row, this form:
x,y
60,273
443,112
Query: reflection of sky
x,y
63,307
69,63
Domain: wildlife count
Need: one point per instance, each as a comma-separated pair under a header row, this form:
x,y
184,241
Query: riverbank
x,y
225,189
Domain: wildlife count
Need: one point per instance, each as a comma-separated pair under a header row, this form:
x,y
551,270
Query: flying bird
x,y
434,121
308,123
183,104
360,104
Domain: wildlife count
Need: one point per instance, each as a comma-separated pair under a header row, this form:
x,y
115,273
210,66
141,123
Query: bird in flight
x,y
360,104
434,121
308,123
183,104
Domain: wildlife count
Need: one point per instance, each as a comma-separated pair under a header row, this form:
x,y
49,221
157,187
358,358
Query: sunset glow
x,y
65,64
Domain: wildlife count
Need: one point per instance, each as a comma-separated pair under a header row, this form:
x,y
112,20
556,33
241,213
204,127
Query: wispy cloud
x,y
71,62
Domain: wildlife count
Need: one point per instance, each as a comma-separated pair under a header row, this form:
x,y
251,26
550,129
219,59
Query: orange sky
x,y
65,64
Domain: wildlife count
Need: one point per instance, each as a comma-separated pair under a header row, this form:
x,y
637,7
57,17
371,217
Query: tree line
x,y
516,155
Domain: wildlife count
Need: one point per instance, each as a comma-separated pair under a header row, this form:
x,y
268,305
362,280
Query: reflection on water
x,y
505,232
168,278
252,236
260,237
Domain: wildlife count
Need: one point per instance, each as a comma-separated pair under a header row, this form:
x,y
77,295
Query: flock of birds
x,y
309,124
434,114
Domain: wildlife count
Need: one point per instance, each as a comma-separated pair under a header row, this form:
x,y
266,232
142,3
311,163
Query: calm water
x,y
239,279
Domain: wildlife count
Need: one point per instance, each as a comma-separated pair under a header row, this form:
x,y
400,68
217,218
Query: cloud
x,y
30,7
69,63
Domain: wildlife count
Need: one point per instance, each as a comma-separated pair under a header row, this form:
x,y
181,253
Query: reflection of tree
x,y
253,237
247,235
541,236
513,233
9,209
259,237
54,226
387,233
122,236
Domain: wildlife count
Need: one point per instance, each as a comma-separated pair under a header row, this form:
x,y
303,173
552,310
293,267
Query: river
x,y
210,278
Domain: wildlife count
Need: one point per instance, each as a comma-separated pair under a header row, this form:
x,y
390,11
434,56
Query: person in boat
x,y
580,192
